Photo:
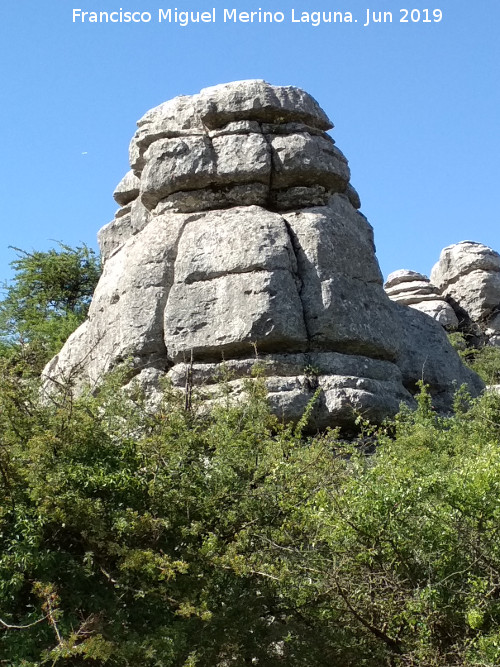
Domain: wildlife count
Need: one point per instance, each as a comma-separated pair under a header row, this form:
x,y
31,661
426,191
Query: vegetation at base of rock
x,y
185,538
485,361
46,300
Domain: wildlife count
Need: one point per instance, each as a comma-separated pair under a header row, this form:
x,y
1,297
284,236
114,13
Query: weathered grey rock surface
x,y
468,276
415,290
239,229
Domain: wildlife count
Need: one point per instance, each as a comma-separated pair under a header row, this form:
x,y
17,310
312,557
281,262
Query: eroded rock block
x,y
416,290
239,231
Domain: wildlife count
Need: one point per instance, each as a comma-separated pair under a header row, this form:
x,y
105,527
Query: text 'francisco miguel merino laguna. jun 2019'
x,y
366,17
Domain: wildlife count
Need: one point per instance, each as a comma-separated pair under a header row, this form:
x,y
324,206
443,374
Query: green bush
x,y
47,298
183,538
187,537
486,363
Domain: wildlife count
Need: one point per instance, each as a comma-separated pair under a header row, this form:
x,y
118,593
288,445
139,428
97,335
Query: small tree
x,y
46,300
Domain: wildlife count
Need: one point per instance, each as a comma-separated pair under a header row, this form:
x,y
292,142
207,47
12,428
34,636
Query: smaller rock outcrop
x,y
416,290
468,276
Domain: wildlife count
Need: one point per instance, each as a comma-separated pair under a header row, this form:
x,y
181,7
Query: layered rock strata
x,y
468,276
415,290
238,231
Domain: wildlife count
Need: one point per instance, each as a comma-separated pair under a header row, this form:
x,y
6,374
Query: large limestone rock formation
x,y
415,290
468,276
238,230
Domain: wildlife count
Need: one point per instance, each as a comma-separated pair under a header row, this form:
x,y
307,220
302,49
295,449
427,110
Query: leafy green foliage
x,y
47,299
190,537
186,538
486,363
458,342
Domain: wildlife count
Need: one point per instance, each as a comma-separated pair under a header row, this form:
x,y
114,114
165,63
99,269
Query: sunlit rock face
x,y
463,293
415,290
468,275
238,231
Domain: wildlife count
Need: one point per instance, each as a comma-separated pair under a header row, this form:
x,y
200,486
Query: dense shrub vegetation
x,y
183,538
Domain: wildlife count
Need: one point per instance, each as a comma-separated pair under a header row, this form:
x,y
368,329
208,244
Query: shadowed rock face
x,y
239,229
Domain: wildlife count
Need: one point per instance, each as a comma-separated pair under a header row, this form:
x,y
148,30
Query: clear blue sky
x,y
416,109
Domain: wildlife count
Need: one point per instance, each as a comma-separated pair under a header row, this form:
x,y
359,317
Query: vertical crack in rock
x,y
163,303
267,139
271,171
295,246
175,252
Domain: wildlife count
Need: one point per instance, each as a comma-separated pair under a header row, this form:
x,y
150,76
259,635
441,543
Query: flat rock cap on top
x,y
255,99
252,99
404,276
